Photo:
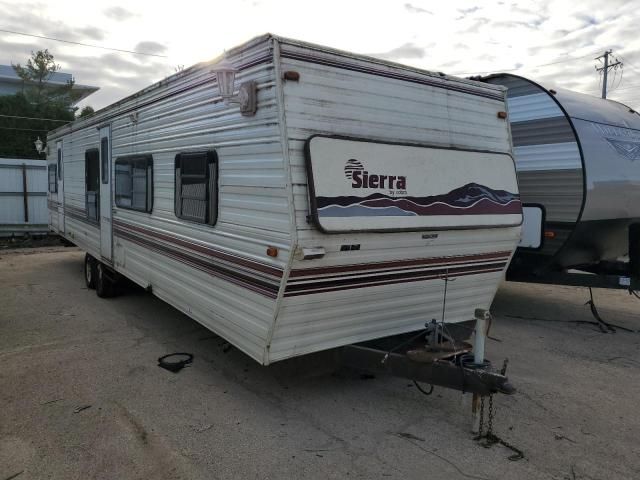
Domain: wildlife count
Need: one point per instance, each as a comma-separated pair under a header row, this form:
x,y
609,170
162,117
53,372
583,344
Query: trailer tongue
x,y
434,357
450,372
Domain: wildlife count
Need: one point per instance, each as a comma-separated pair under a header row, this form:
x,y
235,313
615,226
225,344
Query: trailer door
x,y
59,170
105,194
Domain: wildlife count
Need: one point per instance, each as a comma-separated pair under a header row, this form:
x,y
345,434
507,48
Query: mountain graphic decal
x,y
470,199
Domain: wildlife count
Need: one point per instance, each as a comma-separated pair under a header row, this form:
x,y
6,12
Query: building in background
x,y
11,83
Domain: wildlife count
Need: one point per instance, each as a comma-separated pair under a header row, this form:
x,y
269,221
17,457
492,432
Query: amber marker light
x,y
291,75
272,251
549,234
502,115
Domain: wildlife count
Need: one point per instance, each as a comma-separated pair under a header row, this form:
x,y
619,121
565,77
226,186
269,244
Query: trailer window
x,y
134,182
104,155
196,187
59,164
92,182
53,177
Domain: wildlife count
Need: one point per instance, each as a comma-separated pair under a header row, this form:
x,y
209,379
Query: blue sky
x,y
552,41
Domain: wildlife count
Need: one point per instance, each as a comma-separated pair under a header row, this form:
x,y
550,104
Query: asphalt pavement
x,y
82,396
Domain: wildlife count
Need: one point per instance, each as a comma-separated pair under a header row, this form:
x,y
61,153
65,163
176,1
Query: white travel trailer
x,y
329,199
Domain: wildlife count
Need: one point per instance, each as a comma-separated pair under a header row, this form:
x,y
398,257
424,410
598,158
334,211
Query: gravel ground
x,y
82,396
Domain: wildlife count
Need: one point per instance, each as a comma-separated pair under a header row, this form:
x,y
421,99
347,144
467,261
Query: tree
x,y
87,111
18,134
36,75
38,109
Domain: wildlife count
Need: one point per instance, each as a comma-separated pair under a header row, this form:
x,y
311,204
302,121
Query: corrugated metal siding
x,y
311,323
77,226
516,86
560,191
253,211
335,101
319,321
342,101
181,260
532,107
542,131
12,211
556,156
548,160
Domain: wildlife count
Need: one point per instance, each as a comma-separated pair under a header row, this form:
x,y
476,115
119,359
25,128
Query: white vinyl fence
x,y
23,197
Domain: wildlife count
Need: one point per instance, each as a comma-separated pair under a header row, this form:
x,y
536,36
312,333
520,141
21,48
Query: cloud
x,y
150,47
477,24
465,37
118,13
25,17
413,9
16,52
467,11
403,52
92,32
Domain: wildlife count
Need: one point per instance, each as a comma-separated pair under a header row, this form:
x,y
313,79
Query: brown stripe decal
x,y
265,279
454,259
380,273
375,284
202,249
399,277
80,214
252,283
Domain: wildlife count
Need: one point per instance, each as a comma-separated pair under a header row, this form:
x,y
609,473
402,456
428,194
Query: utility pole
x,y
605,69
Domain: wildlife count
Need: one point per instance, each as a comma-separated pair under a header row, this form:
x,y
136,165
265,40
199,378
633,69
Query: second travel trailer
x,y
578,159
294,198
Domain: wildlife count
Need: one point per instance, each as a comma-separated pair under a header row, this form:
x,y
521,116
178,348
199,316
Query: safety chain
x,y
491,438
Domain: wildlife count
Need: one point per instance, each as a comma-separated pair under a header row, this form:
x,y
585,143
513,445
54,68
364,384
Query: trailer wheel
x,y
105,285
90,271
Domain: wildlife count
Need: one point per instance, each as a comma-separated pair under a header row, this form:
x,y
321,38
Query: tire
x,y
105,286
90,271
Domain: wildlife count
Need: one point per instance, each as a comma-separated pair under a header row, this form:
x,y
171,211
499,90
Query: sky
x,y
552,41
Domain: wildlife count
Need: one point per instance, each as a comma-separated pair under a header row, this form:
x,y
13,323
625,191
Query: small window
x,y
196,187
59,164
134,182
104,157
92,182
53,178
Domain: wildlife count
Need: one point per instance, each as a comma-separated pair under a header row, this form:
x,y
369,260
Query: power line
x,y
82,44
629,65
532,66
25,129
34,118
627,87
